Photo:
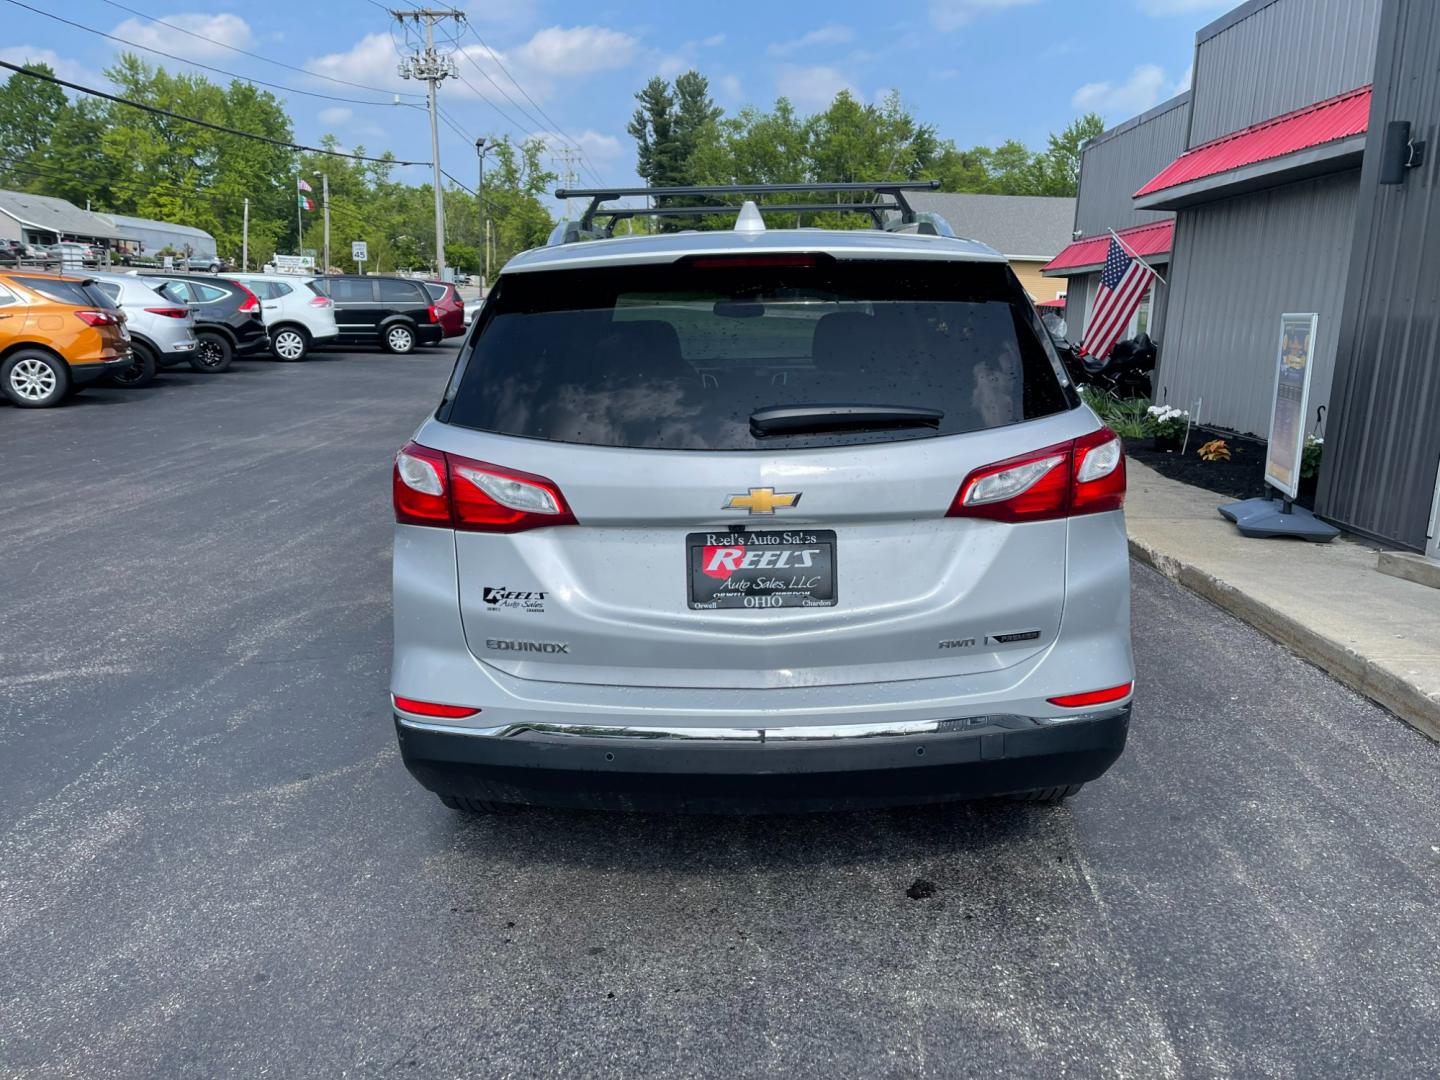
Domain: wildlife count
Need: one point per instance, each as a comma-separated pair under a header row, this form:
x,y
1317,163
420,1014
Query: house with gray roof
x,y
1029,230
39,219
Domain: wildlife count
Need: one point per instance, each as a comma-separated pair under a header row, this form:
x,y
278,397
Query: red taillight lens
x,y
96,318
251,301
1093,697
169,312
434,313
1084,476
322,302
432,708
448,491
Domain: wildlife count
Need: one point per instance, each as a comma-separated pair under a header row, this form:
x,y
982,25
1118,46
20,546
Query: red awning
x,y
1059,302
1142,240
1325,121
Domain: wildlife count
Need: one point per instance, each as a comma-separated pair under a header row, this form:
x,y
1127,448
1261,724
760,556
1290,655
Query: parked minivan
x,y
397,314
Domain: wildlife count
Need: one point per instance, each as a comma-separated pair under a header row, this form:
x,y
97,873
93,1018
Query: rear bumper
x,y
722,772
85,374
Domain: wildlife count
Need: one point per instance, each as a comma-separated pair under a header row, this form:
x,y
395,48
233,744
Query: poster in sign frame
x,y
1291,402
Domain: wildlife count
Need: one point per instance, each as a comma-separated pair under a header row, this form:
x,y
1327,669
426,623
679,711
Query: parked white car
x,y
297,316
162,332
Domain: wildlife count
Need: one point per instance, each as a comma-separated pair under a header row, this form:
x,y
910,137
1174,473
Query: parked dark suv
x,y
394,313
227,318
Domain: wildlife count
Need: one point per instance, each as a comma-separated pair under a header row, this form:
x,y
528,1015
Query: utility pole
x,y
325,198
245,239
484,217
564,161
433,68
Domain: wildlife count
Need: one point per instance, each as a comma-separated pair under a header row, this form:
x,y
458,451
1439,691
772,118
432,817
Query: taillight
x,y
448,491
1093,697
434,313
169,312
96,318
1083,476
251,301
432,708
322,302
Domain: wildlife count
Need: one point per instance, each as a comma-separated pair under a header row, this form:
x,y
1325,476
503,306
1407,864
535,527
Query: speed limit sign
x,y
359,250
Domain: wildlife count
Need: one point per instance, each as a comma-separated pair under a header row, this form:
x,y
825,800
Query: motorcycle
x,y
1124,374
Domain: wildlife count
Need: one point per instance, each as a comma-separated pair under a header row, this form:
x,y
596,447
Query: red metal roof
x,y
1142,240
1314,125
1058,302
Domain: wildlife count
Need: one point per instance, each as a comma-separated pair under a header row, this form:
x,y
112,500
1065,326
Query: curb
x,y
1382,687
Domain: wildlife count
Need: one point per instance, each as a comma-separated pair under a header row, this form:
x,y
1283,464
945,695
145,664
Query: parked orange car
x,y
58,332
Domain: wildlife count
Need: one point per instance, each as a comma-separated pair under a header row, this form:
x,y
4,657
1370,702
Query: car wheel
x,y
477,806
290,344
34,380
213,353
1047,795
141,371
400,339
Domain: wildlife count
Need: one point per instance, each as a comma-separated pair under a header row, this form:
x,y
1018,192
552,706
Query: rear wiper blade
x,y
794,419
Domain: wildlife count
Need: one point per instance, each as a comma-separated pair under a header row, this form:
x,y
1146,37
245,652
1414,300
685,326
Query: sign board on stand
x,y
294,264
1285,450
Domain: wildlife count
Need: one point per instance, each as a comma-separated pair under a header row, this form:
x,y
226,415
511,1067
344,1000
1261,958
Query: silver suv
x,y
743,520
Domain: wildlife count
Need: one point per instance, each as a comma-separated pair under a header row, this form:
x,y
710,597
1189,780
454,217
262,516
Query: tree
x,y
30,110
659,156
1060,164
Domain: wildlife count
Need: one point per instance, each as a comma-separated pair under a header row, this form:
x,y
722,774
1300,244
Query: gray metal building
x,y
1381,471
1260,167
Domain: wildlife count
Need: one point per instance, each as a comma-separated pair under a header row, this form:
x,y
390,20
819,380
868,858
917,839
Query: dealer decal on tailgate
x,y
742,569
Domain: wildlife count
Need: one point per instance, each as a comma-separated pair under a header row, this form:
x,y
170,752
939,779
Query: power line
x,y
261,57
207,67
91,91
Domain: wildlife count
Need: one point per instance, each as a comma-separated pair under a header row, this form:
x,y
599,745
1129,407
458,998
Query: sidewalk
x,y
1326,603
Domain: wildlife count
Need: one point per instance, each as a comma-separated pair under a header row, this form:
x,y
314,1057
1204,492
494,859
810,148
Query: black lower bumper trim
x,y
739,777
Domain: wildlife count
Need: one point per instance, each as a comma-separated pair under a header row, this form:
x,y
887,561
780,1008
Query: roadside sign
x,y
293,264
1292,395
168,262
359,250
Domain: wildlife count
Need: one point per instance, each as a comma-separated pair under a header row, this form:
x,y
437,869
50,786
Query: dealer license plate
x,y
761,569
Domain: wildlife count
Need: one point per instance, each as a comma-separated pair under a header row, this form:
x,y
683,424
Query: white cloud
x,y
71,70
952,14
213,33
335,115
834,34
730,88
811,87
1144,88
576,50
1182,7
598,149
372,59
714,41
1183,83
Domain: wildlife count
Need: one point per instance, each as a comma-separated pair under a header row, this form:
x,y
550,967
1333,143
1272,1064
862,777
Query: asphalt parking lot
x,y
212,863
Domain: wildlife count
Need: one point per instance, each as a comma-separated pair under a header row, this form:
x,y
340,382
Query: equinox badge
x,y
762,500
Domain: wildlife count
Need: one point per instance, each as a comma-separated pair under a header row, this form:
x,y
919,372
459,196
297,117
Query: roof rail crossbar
x,y
894,188
620,213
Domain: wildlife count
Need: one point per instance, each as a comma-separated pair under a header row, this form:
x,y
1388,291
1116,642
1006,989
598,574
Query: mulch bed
x,y
1242,477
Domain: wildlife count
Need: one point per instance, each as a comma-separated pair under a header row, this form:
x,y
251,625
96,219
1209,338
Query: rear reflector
x,y
1093,697
431,708
452,492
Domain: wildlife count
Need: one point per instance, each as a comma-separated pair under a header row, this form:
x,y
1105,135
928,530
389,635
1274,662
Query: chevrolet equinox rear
x,y
760,520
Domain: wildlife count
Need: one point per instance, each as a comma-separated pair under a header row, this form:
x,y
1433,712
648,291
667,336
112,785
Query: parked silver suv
x,y
759,519
162,332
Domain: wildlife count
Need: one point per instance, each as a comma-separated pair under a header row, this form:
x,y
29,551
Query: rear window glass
x,y
396,291
680,357
437,292
78,293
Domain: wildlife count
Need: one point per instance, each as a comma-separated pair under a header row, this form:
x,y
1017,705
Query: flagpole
x,y
299,228
1132,253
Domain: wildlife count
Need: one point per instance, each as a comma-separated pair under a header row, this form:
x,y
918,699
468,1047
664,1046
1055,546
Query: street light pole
x,y
484,217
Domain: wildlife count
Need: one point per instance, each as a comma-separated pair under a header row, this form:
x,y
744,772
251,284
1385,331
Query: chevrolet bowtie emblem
x,y
762,500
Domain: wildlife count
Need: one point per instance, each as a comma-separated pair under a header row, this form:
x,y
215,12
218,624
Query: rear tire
x,y
1047,795
290,344
213,353
399,339
140,373
477,806
33,379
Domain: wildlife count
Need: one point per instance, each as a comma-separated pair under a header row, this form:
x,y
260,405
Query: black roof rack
x,y
893,188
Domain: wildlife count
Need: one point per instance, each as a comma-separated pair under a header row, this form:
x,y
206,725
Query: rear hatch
x,y
753,461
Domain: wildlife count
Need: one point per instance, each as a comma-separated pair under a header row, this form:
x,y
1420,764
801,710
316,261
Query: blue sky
x,y
980,70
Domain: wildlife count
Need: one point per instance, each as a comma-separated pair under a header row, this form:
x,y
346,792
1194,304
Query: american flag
x,y
1123,282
